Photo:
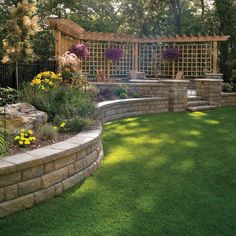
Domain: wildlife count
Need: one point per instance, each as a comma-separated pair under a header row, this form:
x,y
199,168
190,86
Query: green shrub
x,y
8,96
123,96
136,95
49,132
227,87
3,146
121,89
62,104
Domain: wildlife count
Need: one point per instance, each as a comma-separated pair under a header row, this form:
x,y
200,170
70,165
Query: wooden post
x,y
135,57
215,57
57,48
173,69
58,43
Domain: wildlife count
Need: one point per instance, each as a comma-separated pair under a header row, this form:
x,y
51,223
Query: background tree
x,y
20,28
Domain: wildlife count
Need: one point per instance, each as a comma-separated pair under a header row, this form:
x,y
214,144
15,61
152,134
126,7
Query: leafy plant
x,y
8,96
63,104
3,145
25,138
46,80
48,131
136,95
121,89
123,96
228,87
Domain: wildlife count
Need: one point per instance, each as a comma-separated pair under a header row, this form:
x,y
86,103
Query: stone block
x,y
71,170
80,165
29,186
81,154
10,192
33,172
65,161
9,207
6,167
44,194
58,189
73,180
10,179
54,177
2,192
49,167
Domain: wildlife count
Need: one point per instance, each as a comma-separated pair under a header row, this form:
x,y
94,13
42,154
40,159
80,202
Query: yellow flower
x,y
22,130
36,81
30,131
17,138
46,81
21,142
27,142
42,87
54,127
33,138
50,83
62,125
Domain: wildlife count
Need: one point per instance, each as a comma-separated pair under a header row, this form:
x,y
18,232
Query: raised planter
x,y
35,176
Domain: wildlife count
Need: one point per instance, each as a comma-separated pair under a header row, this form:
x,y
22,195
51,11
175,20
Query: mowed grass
x,y
167,174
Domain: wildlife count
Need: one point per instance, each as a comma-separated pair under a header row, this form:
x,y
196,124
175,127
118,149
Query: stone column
x,y
210,89
177,94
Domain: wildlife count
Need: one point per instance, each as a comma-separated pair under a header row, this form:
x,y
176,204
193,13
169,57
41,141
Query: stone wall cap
x,y
45,154
211,80
101,104
229,94
174,80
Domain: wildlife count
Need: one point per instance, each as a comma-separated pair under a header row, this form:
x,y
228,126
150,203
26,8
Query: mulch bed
x,y
15,149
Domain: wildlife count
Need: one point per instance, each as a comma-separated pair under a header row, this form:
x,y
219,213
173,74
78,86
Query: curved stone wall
x,y
35,176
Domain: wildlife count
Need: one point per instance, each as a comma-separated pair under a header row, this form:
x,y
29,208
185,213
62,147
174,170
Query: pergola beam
x,y
70,28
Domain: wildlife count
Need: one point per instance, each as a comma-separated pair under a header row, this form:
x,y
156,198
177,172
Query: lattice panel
x,y
196,60
98,61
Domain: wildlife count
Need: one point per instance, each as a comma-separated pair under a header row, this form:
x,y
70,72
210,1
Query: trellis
x,y
199,53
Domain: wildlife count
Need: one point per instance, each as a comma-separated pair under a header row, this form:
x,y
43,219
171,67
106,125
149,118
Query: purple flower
x,y
114,54
80,50
171,54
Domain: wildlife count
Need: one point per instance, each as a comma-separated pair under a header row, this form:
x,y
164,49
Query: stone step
x,y
197,103
194,98
201,108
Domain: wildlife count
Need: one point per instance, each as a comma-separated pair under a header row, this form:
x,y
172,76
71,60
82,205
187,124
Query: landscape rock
x,y
22,116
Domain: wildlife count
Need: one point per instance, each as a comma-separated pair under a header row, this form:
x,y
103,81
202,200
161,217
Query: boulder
x,y
22,116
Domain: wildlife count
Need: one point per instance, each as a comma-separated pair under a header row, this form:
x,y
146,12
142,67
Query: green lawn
x,y
167,174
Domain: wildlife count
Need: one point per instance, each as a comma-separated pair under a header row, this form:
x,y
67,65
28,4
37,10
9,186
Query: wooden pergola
x,y
199,53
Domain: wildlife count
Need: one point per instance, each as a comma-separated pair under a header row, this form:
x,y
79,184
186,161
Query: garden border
x,y
42,174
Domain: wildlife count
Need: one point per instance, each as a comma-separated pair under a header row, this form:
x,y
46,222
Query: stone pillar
x,y
177,94
210,89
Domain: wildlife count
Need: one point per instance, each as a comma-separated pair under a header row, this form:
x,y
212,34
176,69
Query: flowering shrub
x,y
171,54
25,138
80,50
70,71
114,54
46,80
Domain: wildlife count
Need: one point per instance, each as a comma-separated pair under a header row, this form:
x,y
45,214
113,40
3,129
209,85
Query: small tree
x,y
21,27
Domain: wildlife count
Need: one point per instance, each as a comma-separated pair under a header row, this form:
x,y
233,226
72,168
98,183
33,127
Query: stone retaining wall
x,y
228,99
156,89
35,176
117,109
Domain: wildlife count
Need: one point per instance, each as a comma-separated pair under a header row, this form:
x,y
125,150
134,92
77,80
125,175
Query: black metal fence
x,y
25,71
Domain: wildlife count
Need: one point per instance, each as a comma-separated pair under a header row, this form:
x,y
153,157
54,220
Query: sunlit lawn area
x,y
167,174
